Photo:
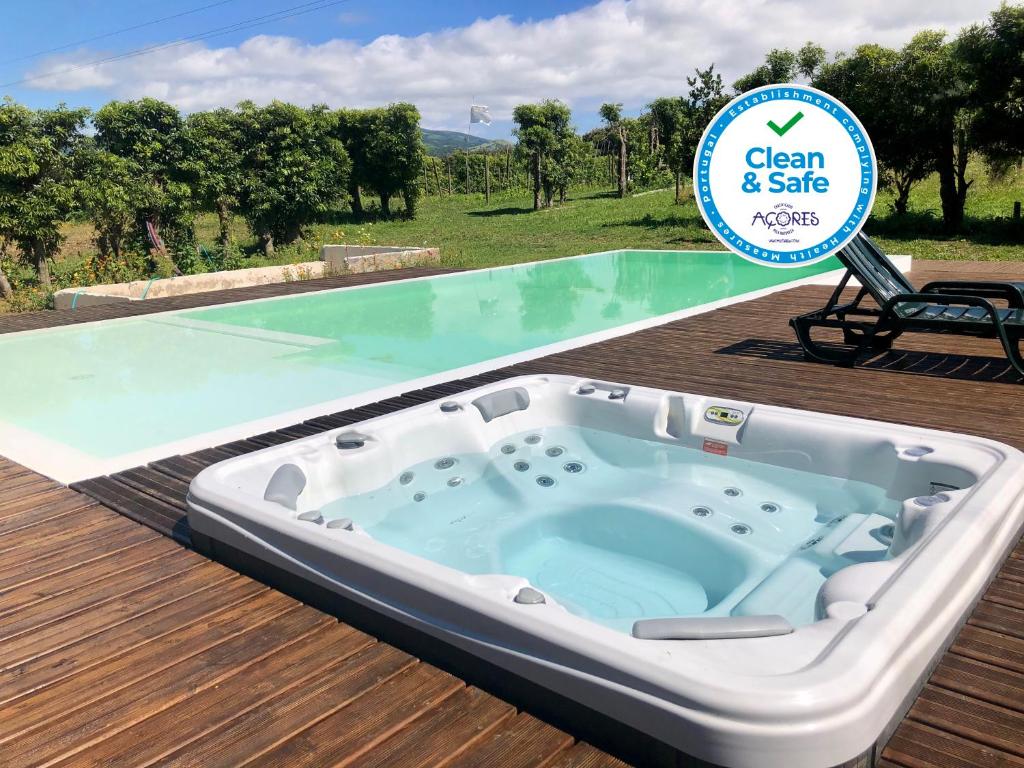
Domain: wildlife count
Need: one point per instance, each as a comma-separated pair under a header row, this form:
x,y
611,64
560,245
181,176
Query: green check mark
x,y
789,124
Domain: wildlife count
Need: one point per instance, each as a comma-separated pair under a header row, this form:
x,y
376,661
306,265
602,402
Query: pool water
x,y
618,529
113,388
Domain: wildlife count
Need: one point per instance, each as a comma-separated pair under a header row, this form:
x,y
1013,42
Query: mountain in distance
x,y
443,143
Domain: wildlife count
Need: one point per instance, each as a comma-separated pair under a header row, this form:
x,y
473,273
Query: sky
x,y
440,55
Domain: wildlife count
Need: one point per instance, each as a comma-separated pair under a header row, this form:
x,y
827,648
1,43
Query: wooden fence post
x,y
437,178
487,178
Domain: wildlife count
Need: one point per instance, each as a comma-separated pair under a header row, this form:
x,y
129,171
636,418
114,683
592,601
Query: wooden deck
x,y
118,645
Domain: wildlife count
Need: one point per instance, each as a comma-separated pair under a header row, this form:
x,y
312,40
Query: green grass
x,y
471,233
989,233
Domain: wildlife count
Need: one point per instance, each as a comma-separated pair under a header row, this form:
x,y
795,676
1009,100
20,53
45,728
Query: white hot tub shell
x,y
748,688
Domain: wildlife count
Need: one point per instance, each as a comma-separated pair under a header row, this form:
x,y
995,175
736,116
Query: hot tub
x,y
755,586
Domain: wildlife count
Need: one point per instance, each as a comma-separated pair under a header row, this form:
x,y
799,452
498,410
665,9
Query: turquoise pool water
x,y
618,529
118,387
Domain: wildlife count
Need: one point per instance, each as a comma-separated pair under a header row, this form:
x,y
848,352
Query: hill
x,y
442,143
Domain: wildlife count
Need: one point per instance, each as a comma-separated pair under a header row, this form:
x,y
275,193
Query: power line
x,y
286,13
116,32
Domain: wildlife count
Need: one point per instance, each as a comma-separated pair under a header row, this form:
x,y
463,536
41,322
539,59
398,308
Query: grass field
x,y
471,233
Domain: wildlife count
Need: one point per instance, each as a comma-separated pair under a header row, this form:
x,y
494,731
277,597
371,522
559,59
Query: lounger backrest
x,y
873,269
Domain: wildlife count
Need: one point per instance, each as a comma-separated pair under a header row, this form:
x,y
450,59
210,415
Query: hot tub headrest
x,y
502,402
717,628
285,485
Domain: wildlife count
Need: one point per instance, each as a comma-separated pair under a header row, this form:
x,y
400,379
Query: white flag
x,y
479,114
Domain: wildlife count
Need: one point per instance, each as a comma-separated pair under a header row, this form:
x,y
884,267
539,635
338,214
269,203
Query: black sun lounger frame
x,y
962,308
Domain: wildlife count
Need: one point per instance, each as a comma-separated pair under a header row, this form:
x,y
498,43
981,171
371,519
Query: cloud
x,y
616,50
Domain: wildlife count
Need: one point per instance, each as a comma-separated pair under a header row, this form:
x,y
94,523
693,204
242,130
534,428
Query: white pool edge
x,y
67,465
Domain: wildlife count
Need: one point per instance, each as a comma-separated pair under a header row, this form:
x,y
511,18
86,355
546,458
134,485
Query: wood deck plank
x,y
985,682
48,692
208,706
37,541
169,490
998,618
138,506
106,619
95,584
41,508
917,745
521,742
583,755
79,735
38,503
31,569
441,733
990,647
344,737
978,721
246,734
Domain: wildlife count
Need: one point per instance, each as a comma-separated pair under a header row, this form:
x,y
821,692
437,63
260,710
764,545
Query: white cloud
x,y
617,50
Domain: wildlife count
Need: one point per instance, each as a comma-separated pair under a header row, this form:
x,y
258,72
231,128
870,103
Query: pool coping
x,y
67,465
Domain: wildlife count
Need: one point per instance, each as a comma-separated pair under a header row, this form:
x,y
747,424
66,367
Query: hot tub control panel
x,y
723,414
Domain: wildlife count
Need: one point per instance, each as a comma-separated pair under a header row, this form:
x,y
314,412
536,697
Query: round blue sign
x,y
785,175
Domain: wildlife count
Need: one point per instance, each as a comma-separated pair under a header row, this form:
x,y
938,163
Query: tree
x,y
705,99
36,190
542,131
779,67
394,155
809,59
213,162
387,153
671,117
937,77
994,65
6,291
111,191
783,66
151,133
352,127
293,168
612,116
880,85
566,163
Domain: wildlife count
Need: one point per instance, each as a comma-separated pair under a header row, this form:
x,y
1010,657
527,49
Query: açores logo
x,y
785,175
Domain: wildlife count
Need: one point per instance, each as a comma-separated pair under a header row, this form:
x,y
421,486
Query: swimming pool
x,y
86,400
759,587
